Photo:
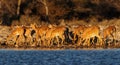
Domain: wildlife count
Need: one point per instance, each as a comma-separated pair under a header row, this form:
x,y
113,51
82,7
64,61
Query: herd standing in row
x,y
53,35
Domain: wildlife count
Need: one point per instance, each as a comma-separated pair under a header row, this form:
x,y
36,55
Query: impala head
x,y
52,25
33,25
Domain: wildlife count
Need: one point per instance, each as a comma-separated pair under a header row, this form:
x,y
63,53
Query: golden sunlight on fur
x,y
109,32
53,35
91,32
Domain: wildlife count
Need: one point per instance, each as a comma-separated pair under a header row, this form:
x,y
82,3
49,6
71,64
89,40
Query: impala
x,y
16,36
91,32
109,32
78,31
58,33
40,33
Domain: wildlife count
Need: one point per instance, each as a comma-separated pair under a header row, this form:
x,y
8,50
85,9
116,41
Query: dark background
x,y
34,11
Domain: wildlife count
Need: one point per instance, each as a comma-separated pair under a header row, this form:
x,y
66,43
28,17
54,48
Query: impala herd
x,y
53,35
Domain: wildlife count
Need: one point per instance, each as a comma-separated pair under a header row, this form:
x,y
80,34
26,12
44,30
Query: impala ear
x,y
22,25
50,26
17,26
33,25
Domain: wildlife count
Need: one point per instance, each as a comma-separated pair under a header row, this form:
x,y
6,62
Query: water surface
x,y
60,57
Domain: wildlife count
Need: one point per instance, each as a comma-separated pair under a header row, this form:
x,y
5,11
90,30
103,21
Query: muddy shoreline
x,y
67,47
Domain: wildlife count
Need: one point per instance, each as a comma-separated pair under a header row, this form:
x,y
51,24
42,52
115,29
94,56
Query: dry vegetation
x,y
59,12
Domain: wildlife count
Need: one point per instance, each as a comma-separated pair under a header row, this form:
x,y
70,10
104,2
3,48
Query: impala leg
x,y
88,42
17,41
113,38
100,39
79,42
57,39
